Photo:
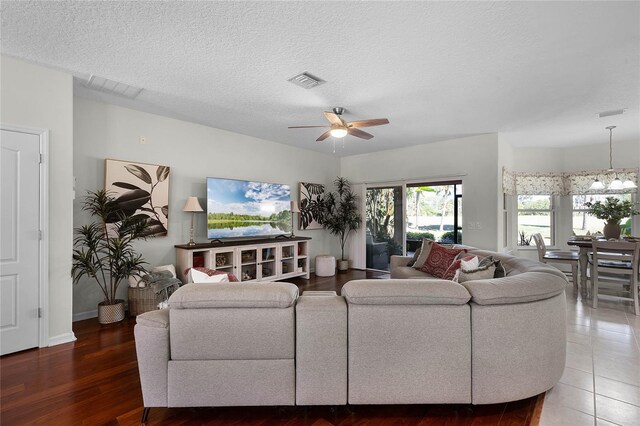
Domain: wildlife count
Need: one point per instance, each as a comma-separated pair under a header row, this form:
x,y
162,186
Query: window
x,y
535,215
584,223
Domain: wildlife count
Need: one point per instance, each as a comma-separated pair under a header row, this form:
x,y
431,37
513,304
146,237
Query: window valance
x,y
563,183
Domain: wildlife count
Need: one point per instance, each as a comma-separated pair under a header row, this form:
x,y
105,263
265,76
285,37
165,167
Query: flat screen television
x,y
240,208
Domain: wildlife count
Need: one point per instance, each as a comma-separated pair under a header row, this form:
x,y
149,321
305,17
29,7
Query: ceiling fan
x,y
340,128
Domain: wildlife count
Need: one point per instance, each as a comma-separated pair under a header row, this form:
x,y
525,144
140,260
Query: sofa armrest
x,y
321,349
399,261
405,292
152,347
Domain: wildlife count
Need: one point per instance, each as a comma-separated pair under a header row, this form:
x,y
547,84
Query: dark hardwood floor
x,y
94,381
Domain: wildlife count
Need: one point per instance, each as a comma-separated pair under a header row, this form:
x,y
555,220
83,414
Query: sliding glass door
x,y
385,225
434,211
398,217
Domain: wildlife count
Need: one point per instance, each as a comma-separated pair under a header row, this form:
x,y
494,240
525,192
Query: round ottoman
x,y
325,266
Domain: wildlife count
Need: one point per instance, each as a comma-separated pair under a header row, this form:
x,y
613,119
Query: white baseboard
x,y
62,338
85,315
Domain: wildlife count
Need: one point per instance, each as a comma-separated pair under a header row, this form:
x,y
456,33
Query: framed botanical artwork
x,y
311,205
140,189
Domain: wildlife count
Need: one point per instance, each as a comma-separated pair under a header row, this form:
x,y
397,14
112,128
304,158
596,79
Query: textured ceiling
x,y
538,72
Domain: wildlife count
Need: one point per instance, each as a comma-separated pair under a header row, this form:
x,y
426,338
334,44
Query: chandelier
x,y
616,183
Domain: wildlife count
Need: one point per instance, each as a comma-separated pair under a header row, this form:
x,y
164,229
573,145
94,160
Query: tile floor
x,y
601,380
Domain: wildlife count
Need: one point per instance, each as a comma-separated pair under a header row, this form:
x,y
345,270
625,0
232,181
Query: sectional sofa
x,y
415,340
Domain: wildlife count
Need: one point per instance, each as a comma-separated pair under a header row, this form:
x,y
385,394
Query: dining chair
x,y
568,257
616,259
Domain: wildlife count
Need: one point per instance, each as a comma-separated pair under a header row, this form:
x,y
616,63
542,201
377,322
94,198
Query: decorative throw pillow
x,y
415,257
424,253
452,270
471,264
478,274
198,277
232,278
490,260
439,259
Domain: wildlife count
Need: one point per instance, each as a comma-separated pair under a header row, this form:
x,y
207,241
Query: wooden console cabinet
x,y
249,260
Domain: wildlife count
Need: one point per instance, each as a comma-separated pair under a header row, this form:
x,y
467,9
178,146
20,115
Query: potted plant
x,y
340,215
103,250
612,211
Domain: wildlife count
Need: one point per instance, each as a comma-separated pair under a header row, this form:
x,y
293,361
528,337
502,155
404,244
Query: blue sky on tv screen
x,y
244,197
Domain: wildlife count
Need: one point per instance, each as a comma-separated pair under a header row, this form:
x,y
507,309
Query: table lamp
x,y
294,209
192,205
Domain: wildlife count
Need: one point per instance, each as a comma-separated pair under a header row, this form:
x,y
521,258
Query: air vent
x,y
611,113
306,80
113,87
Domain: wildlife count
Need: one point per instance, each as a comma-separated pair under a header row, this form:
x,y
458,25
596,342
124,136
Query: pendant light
x,y
616,184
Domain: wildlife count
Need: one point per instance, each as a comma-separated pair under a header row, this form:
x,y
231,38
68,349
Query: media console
x,y
249,260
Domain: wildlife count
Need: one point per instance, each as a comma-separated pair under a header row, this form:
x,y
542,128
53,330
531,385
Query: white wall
x,y
474,157
193,152
33,96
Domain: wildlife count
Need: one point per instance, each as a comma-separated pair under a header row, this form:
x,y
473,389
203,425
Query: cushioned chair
x,y
616,258
568,257
377,257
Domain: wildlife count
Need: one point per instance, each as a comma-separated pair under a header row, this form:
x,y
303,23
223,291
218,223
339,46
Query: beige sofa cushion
x,y
524,287
234,295
405,292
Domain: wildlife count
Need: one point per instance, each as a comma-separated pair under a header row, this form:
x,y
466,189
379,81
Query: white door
x,y
19,236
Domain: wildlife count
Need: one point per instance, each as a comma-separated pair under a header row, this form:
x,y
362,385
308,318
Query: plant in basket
x,y
103,251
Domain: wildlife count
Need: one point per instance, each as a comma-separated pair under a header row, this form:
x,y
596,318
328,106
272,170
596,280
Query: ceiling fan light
x,y
597,185
338,132
629,184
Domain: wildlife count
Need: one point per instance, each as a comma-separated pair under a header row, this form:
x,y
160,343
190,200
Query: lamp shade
x,y
338,132
597,185
616,184
192,205
294,207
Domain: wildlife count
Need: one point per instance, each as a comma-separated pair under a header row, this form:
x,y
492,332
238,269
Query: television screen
x,y
239,208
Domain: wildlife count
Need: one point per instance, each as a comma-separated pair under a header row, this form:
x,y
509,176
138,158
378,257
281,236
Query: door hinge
x,y
40,234
39,312
41,158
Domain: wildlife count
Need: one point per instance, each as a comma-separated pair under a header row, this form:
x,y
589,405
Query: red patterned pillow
x,y
453,268
211,272
439,260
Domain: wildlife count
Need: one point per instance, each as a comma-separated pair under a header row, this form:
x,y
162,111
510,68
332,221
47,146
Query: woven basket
x,y
143,299
108,314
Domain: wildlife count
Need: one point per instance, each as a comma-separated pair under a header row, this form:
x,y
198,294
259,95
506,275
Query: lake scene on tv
x,y
238,208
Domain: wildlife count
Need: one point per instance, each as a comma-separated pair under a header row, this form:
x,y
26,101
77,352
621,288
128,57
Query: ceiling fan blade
x,y
333,118
368,123
324,136
305,127
359,133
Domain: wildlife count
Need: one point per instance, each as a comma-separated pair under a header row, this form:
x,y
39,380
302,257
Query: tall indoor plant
x,y
104,253
612,211
340,215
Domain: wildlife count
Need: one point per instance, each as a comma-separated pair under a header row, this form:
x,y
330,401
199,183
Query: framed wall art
x,y
311,205
140,189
